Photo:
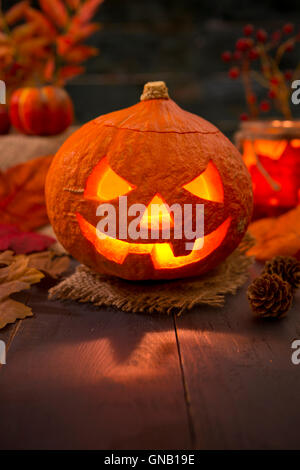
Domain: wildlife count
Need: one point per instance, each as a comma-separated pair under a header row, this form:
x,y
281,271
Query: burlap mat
x,y
158,296
19,148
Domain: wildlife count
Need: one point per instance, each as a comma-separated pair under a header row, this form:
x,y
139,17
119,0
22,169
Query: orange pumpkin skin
x,y
158,148
41,111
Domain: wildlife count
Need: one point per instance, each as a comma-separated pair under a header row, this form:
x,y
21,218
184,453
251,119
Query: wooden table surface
x,y
79,377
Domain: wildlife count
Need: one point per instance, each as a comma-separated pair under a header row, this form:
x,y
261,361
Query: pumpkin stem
x,y
154,91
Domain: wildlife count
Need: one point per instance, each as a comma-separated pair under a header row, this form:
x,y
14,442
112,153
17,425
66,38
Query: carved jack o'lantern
x,y
152,153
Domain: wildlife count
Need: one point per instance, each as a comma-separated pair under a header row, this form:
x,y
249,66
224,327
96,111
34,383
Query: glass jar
x,y
271,152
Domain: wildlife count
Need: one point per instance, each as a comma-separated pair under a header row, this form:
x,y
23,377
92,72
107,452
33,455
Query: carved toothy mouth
x,y
161,253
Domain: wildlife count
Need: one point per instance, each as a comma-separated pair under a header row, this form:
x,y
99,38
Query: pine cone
x,y
287,267
270,296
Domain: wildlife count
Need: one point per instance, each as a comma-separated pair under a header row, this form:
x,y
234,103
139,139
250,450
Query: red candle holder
x,y
271,151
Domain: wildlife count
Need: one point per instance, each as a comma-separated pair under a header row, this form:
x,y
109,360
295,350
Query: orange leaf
x,y
80,32
80,53
49,70
87,11
22,200
16,12
73,4
64,43
6,51
56,10
42,22
276,236
69,71
3,38
34,46
22,32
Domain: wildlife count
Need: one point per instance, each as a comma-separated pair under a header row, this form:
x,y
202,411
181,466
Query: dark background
x,y
179,41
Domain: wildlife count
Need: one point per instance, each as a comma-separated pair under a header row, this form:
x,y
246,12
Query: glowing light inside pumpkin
x,y
104,184
161,253
208,185
156,215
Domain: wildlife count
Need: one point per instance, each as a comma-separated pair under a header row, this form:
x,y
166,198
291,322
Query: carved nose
x,y
157,215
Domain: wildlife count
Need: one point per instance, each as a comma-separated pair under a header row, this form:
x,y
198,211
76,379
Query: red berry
x,y
234,72
252,99
265,106
261,35
272,94
288,75
242,44
289,46
288,28
274,81
248,29
244,117
237,55
253,54
276,36
226,56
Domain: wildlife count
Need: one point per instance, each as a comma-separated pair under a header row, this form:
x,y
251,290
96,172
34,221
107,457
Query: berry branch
x,y
257,58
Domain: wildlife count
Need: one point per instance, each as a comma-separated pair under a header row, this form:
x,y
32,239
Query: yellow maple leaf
x,y
49,263
15,275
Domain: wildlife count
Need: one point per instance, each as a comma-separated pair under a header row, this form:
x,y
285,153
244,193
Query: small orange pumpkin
x,y
41,111
152,152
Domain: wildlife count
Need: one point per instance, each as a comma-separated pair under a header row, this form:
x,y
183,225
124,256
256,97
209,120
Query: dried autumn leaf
x,y
3,38
276,236
23,32
73,4
22,199
16,12
80,32
15,277
49,69
64,43
35,47
56,10
87,11
80,53
6,51
22,242
6,257
69,71
49,263
43,24
12,310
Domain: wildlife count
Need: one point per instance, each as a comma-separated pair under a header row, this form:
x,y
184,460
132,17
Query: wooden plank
x,y
78,377
242,386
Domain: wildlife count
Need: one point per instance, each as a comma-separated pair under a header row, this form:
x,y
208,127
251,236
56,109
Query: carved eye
x,y
104,184
208,185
